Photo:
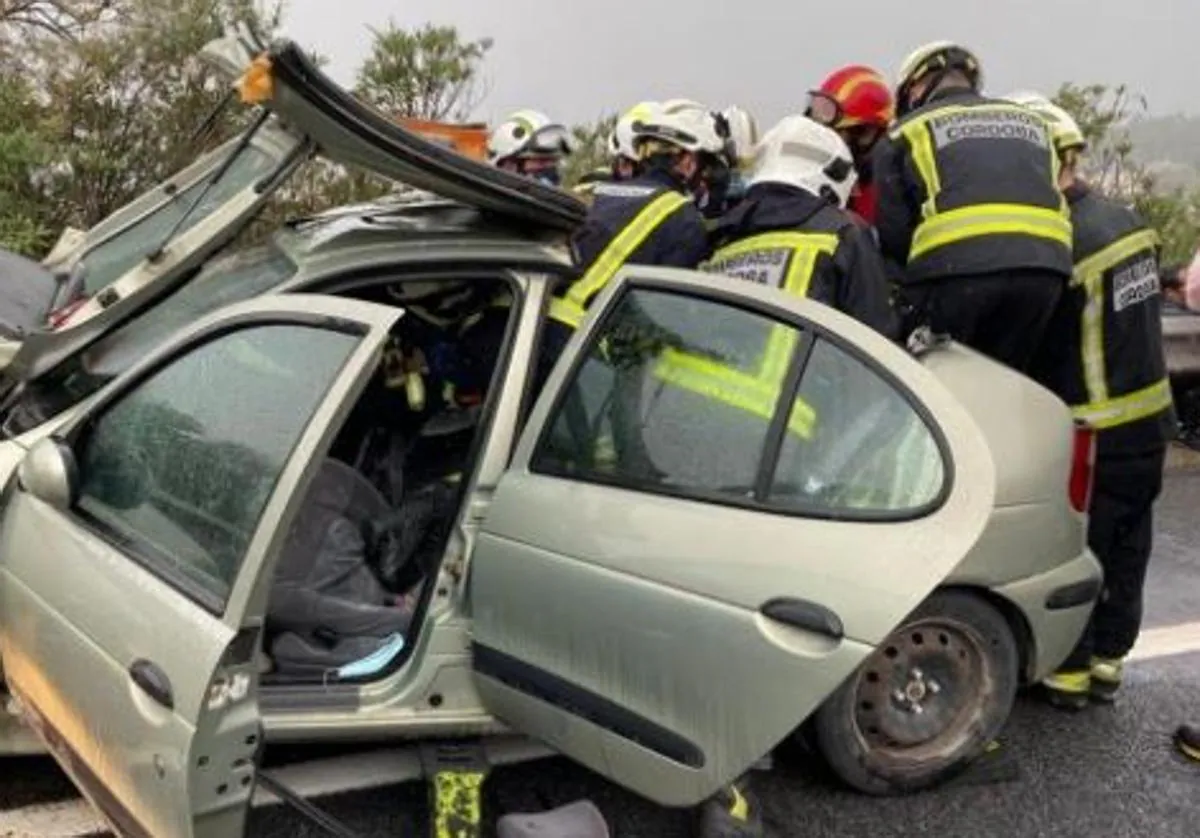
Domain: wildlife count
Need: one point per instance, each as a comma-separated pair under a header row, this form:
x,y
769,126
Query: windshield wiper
x,y
242,144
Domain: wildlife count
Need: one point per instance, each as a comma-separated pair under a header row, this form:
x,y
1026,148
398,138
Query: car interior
x,y
355,575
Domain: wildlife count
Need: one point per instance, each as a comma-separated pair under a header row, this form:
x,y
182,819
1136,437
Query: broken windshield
x,y
114,257
239,276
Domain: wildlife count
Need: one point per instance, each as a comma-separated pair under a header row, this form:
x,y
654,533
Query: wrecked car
x,y
310,493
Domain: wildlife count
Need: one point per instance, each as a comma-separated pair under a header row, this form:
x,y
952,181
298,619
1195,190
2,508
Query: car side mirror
x,y
49,473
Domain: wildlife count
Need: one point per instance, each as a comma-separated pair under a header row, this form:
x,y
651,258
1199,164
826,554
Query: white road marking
x,y
1167,641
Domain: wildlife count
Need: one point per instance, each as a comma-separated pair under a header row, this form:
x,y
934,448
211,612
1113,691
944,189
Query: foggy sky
x,y
577,60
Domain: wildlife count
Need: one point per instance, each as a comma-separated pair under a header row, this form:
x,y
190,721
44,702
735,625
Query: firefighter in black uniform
x,y
969,205
792,231
1103,356
650,219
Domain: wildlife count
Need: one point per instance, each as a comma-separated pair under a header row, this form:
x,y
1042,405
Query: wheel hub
x,y
918,689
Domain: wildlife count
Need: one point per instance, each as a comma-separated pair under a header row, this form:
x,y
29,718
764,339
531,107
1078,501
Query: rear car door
x,y
131,606
724,499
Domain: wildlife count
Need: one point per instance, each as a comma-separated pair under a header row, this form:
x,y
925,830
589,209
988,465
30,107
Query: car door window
x,y
675,394
872,453
178,470
114,257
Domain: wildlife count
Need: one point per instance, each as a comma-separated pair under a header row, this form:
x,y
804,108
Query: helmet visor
x,y
551,140
823,108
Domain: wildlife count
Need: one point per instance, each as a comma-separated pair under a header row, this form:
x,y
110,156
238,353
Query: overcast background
x,y
579,59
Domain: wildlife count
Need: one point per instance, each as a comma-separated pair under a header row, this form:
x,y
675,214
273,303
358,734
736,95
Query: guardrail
x,y
1181,342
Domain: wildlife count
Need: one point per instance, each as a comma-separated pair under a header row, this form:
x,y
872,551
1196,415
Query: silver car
x,y
318,492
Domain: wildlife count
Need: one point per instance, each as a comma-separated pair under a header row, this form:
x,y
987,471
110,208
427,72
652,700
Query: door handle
x,y
153,682
805,615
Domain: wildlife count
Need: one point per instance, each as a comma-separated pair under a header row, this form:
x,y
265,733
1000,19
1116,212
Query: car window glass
x,y
234,278
178,471
871,451
114,257
676,393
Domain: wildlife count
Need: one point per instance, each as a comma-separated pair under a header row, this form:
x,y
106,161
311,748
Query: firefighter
x,y
792,230
857,102
622,156
743,138
969,205
1104,357
530,144
650,219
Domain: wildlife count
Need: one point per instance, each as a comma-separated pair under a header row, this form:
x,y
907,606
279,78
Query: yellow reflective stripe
x,y
566,312
988,220
1095,266
730,387
920,141
570,309
1131,407
805,249
1091,338
622,246
1089,274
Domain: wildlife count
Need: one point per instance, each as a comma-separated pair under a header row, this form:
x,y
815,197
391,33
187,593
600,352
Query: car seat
x,y
328,608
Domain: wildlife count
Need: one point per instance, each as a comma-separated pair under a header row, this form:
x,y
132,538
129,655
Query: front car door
x,y
131,608
723,501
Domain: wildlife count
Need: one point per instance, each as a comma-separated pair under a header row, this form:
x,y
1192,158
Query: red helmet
x,y
854,95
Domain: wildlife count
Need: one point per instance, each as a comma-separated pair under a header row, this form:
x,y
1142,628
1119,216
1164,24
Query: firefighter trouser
x,y
1003,315
1120,533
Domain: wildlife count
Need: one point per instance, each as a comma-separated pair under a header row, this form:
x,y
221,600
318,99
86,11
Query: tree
x,y
591,148
428,73
1104,115
106,105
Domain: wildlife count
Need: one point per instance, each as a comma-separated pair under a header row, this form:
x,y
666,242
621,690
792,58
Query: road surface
x,y
1108,772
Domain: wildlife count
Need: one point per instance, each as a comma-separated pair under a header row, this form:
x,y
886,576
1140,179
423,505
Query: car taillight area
x,y
1083,465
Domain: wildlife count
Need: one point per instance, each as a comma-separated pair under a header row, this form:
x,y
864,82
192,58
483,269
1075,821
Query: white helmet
x,y
932,57
1064,130
528,134
683,124
802,153
621,141
743,133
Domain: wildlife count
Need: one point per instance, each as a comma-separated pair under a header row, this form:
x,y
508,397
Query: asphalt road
x,y
1109,772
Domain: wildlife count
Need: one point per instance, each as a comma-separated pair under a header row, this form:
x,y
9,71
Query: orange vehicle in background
x,y
468,139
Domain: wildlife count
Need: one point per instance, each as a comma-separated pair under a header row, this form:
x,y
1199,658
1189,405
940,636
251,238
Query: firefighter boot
x,y
1106,678
732,812
1068,690
1187,740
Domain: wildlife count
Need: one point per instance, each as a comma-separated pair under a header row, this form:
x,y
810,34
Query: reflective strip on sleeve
x,y
988,220
1089,274
571,308
1140,404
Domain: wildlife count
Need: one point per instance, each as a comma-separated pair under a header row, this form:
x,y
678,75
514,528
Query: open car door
x,y
724,499
138,547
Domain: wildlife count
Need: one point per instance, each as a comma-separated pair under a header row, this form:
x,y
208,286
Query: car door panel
x,y
143,689
668,643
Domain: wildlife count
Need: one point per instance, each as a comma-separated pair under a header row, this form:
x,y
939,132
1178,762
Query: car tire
x,y
927,702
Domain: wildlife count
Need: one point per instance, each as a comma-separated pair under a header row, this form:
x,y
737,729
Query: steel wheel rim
x,y
916,698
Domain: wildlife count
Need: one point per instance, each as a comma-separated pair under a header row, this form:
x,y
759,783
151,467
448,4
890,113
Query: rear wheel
x,y
927,702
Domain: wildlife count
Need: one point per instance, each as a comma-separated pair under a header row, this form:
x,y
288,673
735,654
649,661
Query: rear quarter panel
x,y
1033,528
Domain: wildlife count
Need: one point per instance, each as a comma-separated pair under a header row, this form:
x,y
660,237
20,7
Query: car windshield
x,y
238,276
114,257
